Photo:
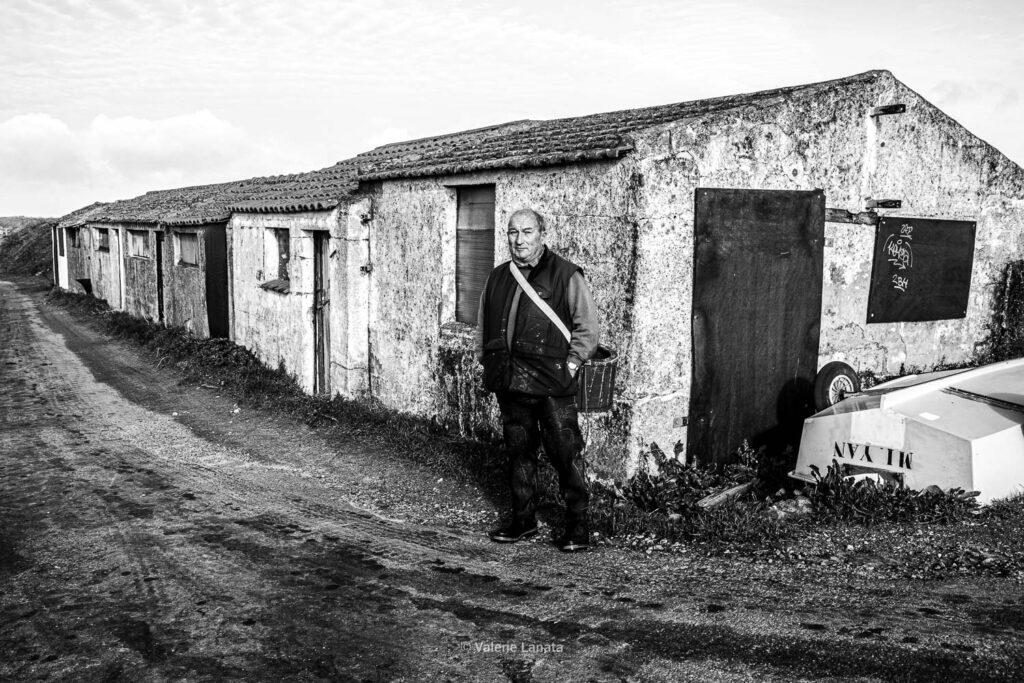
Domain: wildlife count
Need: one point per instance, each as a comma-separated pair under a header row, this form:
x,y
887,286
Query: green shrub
x,y
1006,329
661,502
837,498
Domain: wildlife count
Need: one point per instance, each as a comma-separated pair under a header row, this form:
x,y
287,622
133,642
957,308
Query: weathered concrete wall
x,y
278,327
826,141
140,292
185,284
350,299
79,261
421,359
106,267
939,170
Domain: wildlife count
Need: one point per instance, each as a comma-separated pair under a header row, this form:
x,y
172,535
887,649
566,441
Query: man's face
x,y
525,239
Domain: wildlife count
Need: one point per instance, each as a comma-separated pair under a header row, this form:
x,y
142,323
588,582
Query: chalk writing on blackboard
x,y
922,269
900,254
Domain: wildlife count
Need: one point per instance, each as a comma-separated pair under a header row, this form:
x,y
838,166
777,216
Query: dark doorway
x,y
160,277
54,240
321,313
216,280
756,316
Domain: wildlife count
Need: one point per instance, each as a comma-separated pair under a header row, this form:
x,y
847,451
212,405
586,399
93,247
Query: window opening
x,y
188,249
474,248
103,235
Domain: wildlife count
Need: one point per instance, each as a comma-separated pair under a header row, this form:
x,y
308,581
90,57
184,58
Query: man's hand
x,y
573,367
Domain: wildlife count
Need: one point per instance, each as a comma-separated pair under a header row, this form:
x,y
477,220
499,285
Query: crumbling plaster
x,y
938,170
827,141
421,360
185,285
78,259
140,277
278,327
350,298
105,266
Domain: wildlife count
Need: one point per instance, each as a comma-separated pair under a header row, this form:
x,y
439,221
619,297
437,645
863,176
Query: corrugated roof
x,y
559,141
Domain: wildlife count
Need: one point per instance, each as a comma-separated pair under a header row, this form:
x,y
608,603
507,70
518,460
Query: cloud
x,y
978,93
36,146
187,144
45,160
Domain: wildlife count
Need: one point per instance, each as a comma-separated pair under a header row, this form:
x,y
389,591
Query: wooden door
x,y
54,236
160,276
321,313
757,279
216,262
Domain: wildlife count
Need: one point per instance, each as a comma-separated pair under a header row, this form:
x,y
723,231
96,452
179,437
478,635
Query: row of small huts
x,y
733,245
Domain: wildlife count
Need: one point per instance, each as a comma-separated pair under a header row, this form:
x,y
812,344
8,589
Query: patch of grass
x,y
25,247
836,498
661,504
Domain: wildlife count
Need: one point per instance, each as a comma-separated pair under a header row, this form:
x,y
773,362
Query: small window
x,y
278,253
138,243
73,238
103,239
474,248
188,249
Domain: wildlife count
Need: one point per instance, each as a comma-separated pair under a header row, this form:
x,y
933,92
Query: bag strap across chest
x,y
538,302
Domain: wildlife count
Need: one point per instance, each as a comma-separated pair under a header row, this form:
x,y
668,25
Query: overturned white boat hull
x,y
954,429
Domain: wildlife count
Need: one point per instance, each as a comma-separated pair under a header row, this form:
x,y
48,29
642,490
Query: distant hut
x,y
294,290
160,256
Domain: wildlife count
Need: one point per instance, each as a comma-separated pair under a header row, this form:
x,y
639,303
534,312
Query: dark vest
x,y
535,363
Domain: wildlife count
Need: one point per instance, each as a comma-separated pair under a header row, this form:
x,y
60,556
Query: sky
x,y
107,99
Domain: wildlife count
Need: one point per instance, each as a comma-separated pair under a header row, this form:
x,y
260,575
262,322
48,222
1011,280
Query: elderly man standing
x,y
538,325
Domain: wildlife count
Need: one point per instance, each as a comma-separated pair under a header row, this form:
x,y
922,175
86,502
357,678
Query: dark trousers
x,y
527,423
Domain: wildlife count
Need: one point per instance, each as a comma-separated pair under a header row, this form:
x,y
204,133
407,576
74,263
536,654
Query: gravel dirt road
x,y
149,531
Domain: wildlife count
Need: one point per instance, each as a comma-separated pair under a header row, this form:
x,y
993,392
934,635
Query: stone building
x,y
294,292
73,252
734,246
160,256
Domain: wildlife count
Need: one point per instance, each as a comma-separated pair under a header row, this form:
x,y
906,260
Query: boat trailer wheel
x,y
833,383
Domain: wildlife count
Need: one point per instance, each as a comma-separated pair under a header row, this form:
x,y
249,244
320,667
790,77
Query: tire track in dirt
x,y
264,570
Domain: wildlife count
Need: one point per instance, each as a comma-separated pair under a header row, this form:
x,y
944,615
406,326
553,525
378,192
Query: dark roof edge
x,y
496,164
258,206
740,98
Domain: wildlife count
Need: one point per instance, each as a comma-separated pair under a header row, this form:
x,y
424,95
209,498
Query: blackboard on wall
x,y
922,270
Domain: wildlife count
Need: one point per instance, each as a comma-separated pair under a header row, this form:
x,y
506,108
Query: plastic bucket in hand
x,y
597,381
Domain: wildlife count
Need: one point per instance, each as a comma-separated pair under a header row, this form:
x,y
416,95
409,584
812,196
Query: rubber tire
x,y
827,377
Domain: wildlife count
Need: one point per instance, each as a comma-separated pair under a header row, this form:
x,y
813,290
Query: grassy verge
x,y
223,365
